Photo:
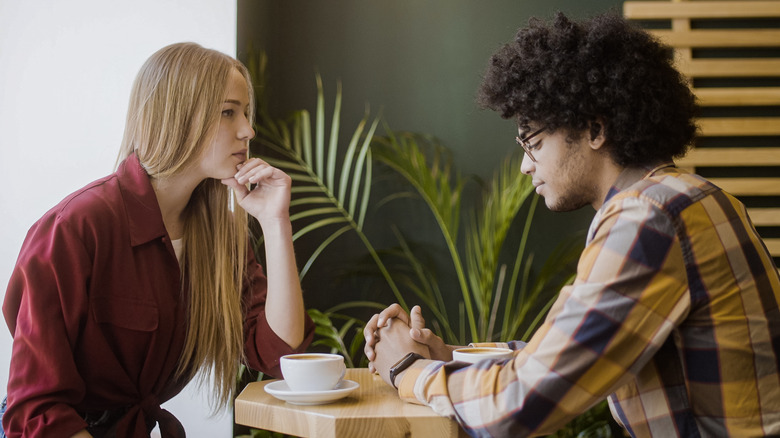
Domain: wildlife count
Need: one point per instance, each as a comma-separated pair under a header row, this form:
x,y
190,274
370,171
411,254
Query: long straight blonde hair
x,y
174,113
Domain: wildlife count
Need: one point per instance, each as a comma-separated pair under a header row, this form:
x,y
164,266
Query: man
x,y
674,311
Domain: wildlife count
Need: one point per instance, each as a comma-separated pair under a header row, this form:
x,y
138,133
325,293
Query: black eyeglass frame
x,y
526,145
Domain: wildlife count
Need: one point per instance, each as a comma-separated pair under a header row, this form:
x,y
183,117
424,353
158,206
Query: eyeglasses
x,y
526,145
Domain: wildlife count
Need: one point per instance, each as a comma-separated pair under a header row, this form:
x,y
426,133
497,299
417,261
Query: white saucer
x,y
280,390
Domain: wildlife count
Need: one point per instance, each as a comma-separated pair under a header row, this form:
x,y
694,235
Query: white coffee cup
x,y
313,371
476,354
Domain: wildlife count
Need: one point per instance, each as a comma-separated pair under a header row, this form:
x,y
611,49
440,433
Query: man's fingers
x,y
369,333
370,329
382,321
394,311
417,320
369,351
423,336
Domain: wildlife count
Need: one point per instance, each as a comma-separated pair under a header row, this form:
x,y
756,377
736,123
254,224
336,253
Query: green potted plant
x,y
503,292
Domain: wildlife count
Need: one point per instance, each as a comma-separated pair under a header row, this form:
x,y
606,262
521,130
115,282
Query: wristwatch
x,y
402,365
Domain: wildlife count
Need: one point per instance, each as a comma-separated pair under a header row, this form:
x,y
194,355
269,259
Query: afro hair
x,y
565,75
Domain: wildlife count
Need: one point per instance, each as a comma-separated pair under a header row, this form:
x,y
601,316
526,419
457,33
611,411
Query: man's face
x,y
561,172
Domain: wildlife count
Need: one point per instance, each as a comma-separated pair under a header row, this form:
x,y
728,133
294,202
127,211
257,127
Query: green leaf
x,y
324,244
304,157
403,153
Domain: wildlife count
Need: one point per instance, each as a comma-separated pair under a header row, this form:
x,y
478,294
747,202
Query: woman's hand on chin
x,y
269,199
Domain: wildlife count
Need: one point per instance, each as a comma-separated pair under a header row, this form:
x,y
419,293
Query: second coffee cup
x,y
476,354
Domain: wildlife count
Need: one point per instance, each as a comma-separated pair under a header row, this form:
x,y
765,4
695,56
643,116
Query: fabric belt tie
x,y
140,419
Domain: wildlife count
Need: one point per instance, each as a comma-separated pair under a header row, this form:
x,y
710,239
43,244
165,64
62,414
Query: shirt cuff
x,y
414,379
270,348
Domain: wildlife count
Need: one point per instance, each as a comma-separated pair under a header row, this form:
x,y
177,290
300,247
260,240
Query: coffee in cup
x,y
476,354
312,371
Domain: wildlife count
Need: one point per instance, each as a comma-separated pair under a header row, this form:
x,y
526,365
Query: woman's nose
x,y
247,132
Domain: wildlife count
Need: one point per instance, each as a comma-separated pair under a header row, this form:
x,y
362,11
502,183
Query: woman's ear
x,y
596,130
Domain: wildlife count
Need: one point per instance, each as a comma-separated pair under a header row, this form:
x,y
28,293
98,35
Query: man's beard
x,y
569,202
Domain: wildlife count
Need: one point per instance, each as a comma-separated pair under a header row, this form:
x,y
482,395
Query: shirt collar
x,y
630,175
144,217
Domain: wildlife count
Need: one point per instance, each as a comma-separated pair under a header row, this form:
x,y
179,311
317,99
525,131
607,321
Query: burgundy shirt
x,y
95,307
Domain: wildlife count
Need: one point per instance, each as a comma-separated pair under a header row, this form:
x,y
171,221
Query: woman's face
x,y
230,144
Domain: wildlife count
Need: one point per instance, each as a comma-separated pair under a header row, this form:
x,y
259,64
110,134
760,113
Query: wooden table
x,y
373,410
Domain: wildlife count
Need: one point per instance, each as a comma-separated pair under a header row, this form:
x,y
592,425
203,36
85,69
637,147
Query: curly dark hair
x,y
566,74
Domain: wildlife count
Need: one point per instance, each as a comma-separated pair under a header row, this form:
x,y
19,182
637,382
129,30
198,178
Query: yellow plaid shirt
x,y
673,315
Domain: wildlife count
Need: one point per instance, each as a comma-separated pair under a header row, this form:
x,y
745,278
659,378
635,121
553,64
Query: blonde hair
x,y
174,112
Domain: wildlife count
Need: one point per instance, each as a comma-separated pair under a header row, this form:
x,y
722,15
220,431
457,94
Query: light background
x,y
66,68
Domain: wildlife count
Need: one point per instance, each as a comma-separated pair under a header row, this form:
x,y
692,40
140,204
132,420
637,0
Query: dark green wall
x,y
420,62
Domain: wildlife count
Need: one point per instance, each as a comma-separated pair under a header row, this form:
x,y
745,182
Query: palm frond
x,y
492,296
329,198
552,276
424,288
437,186
508,192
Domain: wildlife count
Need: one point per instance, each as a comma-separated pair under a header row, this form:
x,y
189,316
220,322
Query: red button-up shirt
x,y
96,311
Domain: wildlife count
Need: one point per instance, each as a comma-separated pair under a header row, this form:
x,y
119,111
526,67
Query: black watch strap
x,y
402,365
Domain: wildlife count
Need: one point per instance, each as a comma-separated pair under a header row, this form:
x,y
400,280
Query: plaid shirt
x,y
673,315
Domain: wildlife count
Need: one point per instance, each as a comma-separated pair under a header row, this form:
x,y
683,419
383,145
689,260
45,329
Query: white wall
x,y
66,68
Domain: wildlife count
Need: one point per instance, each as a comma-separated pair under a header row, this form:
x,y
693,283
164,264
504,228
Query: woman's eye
x,y
227,113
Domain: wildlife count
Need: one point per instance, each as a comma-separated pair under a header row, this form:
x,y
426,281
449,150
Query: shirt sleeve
x,y
263,347
629,295
45,306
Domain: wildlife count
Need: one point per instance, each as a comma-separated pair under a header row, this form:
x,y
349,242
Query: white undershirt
x,y
177,247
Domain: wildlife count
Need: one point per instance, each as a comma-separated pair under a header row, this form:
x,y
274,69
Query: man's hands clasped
x,y
393,333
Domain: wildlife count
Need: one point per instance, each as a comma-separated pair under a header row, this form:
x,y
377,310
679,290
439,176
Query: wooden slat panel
x,y
738,68
773,245
684,39
765,217
717,126
732,157
720,38
738,96
749,186
652,10
682,25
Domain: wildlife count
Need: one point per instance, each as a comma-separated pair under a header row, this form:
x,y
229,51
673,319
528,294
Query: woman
x,y
140,281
